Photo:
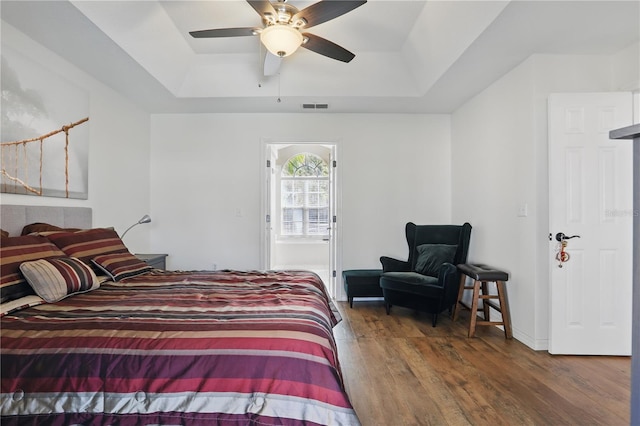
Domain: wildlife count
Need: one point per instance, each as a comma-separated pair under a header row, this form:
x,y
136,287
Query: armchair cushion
x,y
411,282
432,256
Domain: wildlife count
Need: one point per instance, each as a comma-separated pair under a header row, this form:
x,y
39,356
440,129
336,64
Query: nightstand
x,y
158,261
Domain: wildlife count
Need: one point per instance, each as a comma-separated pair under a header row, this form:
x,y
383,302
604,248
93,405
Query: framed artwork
x,y
44,137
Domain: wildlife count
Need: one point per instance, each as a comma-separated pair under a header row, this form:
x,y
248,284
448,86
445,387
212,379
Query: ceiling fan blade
x,y
326,10
271,64
226,32
327,48
263,7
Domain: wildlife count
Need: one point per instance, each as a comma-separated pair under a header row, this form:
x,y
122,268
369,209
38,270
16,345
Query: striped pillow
x,y
121,265
87,244
19,304
13,252
55,279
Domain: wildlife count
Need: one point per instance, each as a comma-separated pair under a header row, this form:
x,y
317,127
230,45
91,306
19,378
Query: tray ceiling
x,y
411,56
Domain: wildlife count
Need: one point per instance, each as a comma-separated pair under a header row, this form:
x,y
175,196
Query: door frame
x,y
335,260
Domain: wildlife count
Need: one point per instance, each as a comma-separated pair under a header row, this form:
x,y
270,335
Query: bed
x,y
164,347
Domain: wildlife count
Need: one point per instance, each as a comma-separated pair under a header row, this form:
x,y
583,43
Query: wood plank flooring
x,y
398,370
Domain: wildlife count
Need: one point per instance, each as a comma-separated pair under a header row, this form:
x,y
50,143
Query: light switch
x,y
523,209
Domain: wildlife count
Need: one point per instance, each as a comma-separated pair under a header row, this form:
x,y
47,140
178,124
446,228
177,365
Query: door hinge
x,y
335,219
335,163
268,218
268,163
335,274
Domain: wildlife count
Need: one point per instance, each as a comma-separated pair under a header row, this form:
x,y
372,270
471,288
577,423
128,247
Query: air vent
x,y
315,106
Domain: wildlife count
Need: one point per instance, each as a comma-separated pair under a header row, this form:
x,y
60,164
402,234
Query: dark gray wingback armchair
x,y
429,280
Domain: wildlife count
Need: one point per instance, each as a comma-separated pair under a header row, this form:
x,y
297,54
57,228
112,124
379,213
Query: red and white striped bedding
x,y
191,348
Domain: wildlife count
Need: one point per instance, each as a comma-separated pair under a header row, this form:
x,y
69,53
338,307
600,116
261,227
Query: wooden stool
x,y
482,274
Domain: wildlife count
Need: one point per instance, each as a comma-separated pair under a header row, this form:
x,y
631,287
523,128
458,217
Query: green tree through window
x,y
305,196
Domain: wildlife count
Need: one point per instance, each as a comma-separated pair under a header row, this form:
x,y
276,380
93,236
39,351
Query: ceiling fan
x,y
283,26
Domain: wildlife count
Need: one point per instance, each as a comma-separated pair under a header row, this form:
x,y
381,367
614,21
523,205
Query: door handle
x,y
562,237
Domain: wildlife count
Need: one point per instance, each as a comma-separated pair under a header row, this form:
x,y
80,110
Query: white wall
x,y
394,168
118,152
499,155
297,254
492,151
626,69
626,75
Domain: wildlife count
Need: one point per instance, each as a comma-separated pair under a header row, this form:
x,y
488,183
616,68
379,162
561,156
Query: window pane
x,y
292,221
298,200
313,200
318,221
305,200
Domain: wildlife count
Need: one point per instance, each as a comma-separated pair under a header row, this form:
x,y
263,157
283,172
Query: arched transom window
x,y
305,196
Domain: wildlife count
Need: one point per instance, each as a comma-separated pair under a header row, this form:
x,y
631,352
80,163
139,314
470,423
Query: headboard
x,y
14,217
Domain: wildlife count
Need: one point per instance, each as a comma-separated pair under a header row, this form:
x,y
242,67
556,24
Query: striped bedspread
x,y
188,348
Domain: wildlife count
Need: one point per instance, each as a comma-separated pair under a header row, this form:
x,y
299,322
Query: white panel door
x,y
590,195
333,225
268,206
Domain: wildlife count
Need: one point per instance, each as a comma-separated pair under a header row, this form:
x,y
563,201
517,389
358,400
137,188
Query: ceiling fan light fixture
x,y
281,40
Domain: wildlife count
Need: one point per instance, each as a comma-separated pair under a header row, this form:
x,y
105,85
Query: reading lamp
x,y
144,219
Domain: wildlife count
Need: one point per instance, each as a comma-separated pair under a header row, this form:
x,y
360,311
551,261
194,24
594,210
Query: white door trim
x,y
335,290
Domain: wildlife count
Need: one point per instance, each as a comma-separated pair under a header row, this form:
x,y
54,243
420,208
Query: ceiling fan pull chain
x,y
260,72
279,100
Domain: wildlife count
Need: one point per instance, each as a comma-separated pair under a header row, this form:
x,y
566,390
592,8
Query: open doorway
x,y
300,209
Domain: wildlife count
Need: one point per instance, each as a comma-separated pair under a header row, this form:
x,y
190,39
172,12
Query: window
x,y
305,196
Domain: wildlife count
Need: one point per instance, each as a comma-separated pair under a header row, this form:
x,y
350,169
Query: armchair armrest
x,y
394,265
449,280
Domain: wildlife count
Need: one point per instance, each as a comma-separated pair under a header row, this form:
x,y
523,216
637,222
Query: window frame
x,y
306,207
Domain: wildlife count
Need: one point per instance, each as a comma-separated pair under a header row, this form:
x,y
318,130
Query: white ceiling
x,y
411,55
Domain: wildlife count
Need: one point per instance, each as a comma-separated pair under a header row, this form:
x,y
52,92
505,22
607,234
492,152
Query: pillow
x,y
87,244
22,303
432,256
44,227
3,233
121,265
55,279
13,252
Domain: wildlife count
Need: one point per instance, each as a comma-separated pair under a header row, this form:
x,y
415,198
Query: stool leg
x,y
456,309
504,309
474,309
485,306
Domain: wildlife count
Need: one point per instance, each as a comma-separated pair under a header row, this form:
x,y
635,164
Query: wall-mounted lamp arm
x,y
144,219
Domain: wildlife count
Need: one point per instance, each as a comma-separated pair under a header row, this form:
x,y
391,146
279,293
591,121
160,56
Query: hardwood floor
x,y
398,370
